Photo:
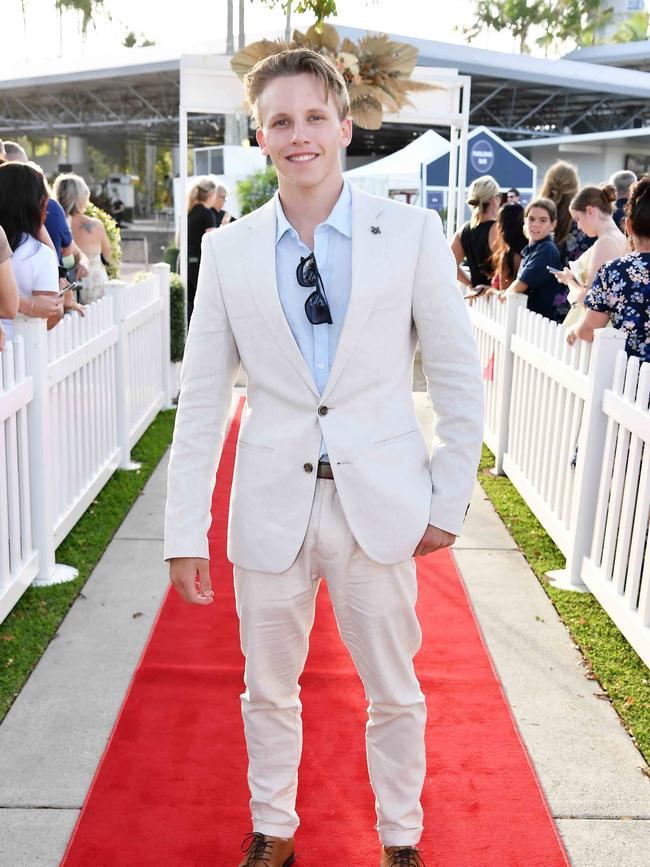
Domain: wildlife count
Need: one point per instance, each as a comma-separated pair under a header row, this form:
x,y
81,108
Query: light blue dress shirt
x,y
333,254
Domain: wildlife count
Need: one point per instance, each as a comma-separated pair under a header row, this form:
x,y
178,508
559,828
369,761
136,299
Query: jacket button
x,y
308,468
322,410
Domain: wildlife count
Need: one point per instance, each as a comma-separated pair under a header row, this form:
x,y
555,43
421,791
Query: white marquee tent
x,y
209,86
401,170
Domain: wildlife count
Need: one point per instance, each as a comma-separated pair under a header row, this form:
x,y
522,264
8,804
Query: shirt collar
x,y
340,217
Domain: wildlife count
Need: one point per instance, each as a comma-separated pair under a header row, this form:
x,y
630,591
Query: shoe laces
x,y
258,848
408,857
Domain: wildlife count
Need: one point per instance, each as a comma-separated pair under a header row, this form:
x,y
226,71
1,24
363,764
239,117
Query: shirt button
x,y
321,366
308,468
322,410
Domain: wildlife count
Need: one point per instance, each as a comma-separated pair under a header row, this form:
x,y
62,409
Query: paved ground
x,y
54,735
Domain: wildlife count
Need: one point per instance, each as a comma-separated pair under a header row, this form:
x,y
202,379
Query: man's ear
x,y
346,132
261,140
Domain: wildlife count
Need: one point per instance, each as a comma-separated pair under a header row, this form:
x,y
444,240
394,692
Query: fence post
x,y
513,304
39,435
162,271
591,442
116,290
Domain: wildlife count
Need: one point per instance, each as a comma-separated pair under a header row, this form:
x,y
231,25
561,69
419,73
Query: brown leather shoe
x,y
262,851
401,856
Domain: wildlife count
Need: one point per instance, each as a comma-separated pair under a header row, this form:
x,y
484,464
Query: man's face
x,y
513,198
301,130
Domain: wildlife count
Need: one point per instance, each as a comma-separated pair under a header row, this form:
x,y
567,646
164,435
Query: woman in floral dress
x,y
620,292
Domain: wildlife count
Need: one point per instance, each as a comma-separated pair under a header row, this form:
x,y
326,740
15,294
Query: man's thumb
x,y
204,579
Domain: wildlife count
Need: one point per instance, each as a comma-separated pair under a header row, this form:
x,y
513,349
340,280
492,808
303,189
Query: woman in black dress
x,y
476,241
200,219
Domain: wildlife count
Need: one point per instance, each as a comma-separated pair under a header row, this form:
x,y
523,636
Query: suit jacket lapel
x,y
368,270
260,267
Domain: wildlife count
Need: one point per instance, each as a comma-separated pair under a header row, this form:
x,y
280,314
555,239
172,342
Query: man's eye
x,y
279,122
316,117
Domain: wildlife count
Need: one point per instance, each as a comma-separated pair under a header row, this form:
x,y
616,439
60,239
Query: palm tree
x,y
242,37
230,39
287,32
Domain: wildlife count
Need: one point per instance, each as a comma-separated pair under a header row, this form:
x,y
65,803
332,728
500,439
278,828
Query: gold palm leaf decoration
x,y
377,70
246,59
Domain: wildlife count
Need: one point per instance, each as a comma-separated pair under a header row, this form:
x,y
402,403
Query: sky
x,y
189,22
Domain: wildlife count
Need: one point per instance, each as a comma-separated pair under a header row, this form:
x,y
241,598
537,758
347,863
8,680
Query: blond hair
x,y
200,192
70,190
482,191
560,186
295,61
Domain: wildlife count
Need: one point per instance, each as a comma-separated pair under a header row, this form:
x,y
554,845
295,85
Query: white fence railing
x,y
494,325
18,559
577,449
73,402
618,569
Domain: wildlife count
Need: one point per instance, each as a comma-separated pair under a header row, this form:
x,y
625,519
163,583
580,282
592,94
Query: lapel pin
x,y
375,230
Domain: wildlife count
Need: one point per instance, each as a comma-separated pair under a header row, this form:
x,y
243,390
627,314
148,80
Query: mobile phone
x,y
476,294
70,287
553,270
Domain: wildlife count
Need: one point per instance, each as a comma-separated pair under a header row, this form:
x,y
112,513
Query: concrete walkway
x,y
53,737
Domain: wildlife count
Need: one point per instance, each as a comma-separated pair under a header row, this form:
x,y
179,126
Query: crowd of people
x,y
52,254
581,255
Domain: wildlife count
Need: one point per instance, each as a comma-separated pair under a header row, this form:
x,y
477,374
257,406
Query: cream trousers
x,y
374,607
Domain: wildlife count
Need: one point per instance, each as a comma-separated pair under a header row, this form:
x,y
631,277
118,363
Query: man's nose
x,y
300,133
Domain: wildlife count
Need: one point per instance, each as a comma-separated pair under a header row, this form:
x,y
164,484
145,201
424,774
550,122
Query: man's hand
x,y
433,540
191,578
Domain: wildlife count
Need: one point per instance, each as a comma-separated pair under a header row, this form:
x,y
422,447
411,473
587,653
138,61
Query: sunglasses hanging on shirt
x,y
316,306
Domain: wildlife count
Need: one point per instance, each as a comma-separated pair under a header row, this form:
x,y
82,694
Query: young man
x,y
321,295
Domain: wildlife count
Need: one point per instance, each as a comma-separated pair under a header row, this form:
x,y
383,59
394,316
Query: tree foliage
x,y
633,29
576,21
322,9
256,189
515,16
136,40
87,8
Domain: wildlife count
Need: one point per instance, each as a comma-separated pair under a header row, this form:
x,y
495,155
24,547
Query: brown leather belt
x,y
324,471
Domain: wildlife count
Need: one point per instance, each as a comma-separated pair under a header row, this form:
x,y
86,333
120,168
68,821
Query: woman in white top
x,y
8,288
592,209
88,233
23,200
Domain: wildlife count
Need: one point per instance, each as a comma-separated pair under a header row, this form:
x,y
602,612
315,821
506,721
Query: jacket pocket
x,y
254,447
397,437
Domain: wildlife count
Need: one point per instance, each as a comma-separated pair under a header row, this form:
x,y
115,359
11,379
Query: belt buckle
x,y
324,470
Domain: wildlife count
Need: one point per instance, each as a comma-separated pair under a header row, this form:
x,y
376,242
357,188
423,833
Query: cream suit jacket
x,y
403,290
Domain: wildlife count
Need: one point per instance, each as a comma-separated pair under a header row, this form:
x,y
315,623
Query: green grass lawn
x,y
29,628
623,676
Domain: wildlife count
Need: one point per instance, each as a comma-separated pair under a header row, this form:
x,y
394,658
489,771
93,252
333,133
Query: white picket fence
x,y
73,402
577,448
18,559
494,325
617,571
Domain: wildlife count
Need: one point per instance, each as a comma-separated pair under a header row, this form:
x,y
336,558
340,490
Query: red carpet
x,y
171,788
